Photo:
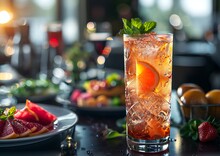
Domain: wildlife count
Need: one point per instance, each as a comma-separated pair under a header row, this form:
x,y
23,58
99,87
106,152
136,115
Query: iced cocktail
x,y
148,76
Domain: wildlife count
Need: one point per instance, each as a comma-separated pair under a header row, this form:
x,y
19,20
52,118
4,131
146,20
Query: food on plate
x,y
30,121
34,113
32,87
185,87
101,93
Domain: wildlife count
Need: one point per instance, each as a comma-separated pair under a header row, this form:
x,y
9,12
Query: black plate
x,y
66,120
63,99
41,98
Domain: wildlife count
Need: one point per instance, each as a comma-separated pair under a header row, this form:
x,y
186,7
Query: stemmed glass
x,y
99,38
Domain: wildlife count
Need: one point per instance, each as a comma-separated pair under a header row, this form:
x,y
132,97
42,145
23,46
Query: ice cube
x,y
157,105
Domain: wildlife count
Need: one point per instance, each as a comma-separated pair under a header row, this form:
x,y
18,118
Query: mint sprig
x,y
190,129
7,113
111,134
136,26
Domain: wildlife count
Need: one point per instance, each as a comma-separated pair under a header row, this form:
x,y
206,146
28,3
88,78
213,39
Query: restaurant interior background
x,y
195,25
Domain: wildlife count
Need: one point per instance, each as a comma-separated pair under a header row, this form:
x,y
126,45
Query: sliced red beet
x,y
40,129
50,126
30,121
8,131
2,124
19,128
27,124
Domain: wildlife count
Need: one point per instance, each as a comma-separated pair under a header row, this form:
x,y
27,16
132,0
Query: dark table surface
x,y
90,142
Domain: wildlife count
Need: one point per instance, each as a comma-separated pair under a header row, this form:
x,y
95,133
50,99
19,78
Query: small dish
x,y
37,98
36,90
63,99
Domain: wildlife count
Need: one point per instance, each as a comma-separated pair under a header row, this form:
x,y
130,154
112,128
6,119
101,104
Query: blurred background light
x,y
196,8
148,3
45,4
5,16
165,5
176,21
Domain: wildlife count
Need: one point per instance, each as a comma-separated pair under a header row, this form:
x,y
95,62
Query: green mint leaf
x,y
114,134
7,113
149,26
128,31
127,27
190,129
195,136
1,111
127,24
3,117
136,31
11,112
136,26
136,22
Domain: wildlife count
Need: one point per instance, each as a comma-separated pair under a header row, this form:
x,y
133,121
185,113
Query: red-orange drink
x,y
55,38
148,76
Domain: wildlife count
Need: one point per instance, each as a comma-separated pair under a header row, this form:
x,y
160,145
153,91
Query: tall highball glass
x,y
148,78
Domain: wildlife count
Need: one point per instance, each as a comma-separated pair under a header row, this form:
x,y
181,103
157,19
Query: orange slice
x,y
147,77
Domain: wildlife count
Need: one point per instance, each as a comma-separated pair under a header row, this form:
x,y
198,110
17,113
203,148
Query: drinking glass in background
x,y
53,48
99,34
148,74
55,38
24,58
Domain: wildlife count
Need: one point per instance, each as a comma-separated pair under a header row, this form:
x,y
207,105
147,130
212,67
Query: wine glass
x,y
100,38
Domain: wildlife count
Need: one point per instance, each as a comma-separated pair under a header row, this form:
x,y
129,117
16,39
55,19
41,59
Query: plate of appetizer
x,y
31,123
97,96
36,90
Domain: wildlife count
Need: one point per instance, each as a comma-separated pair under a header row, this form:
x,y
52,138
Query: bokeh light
x,y
5,16
176,21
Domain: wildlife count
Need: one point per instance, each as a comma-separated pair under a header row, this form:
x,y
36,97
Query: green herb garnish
x,y
111,134
136,26
34,87
1,111
7,113
190,129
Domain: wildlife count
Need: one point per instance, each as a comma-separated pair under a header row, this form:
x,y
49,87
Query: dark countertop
x,y
91,143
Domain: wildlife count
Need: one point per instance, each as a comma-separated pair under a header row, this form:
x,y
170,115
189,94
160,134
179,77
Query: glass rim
x,y
168,37
147,34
